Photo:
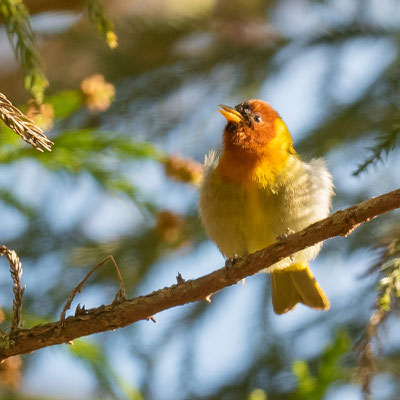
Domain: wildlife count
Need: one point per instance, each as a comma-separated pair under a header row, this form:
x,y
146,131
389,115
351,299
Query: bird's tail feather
x,y
296,285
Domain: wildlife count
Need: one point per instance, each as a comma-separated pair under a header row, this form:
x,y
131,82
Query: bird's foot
x,y
230,262
288,232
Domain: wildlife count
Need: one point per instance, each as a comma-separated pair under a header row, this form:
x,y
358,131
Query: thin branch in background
x,y
16,273
23,125
385,143
366,354
120,295
15,17
98,16
386,302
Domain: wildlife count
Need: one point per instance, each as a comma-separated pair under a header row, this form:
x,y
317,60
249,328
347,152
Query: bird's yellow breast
x,y
241,218
260,206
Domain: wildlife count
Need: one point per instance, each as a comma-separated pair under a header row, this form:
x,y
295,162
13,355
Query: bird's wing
x,y
319,188
304,195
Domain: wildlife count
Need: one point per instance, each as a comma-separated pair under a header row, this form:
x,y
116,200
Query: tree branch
x,y
126,312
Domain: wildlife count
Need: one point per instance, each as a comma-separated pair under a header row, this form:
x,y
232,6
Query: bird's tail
x,y
296,285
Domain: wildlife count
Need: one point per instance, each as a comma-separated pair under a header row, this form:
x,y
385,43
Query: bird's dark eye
x,y
257,118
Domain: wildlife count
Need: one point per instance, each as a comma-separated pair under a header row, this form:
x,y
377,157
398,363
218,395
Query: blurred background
x,y
131,123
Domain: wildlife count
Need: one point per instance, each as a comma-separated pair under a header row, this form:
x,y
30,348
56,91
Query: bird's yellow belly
x,y
240,220
261,225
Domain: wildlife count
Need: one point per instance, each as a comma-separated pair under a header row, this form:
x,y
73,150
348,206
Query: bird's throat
x,y
256,161
244,169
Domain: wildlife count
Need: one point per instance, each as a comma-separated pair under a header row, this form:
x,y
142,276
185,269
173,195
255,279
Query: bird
x,y
255,189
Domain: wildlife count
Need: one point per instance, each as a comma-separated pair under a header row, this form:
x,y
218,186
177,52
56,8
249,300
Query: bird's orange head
x,y
256,142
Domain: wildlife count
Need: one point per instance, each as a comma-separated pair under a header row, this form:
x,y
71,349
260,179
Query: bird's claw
x,y
230,262
288,232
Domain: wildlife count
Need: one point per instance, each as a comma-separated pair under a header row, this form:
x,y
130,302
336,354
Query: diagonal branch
x,y
126,312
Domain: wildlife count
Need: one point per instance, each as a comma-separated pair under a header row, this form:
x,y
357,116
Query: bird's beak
x,y
230,114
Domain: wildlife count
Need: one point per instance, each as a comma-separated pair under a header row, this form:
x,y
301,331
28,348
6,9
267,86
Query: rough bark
x,y
110,317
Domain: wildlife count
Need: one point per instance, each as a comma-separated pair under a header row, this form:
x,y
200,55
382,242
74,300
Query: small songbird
x,y
256,189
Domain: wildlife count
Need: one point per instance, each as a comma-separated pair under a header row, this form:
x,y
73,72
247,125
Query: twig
x,y
120,295
23,125
365,352
120,314
16,273
15,19
98,16
179,278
